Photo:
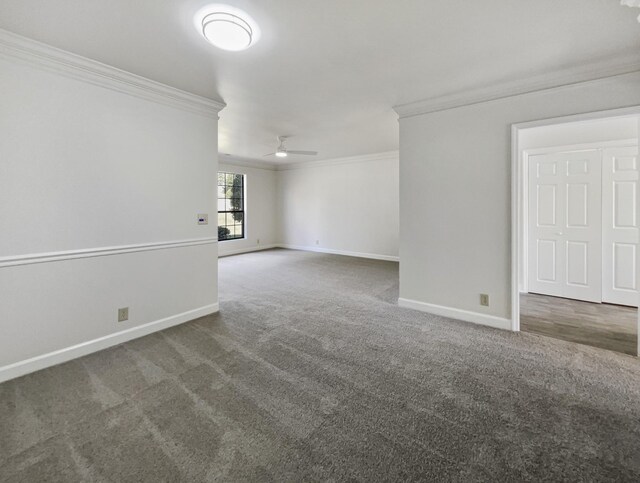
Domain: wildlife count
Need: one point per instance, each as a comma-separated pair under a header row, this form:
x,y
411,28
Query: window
x,y
230,206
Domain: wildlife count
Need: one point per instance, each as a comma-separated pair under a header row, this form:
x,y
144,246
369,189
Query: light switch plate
x,y
203,219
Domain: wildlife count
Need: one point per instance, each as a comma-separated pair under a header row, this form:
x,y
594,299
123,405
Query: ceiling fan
x,y
283,152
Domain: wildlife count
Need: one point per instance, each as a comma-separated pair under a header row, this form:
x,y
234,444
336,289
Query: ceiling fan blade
x,y
307,153
270,154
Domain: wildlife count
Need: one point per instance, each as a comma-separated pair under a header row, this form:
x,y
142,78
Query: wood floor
x,y
611,327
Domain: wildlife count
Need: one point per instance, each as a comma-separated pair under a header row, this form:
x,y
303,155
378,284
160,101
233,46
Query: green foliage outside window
x,y
230,206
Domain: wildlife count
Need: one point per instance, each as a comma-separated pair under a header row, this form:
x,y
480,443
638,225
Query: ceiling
x,y
328,72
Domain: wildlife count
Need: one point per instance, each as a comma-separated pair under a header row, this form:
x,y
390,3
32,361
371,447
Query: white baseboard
x,y
450,312
255,248
258,248
373,256
27,366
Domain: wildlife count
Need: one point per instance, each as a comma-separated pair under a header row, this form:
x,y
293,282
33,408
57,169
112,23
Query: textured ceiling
x,y
328,72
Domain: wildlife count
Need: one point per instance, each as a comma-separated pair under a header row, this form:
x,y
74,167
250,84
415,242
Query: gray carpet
x,y
312,373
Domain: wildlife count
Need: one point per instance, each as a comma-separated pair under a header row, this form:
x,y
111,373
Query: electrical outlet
x,y
123,314
317,242
258,242
484,299
203,219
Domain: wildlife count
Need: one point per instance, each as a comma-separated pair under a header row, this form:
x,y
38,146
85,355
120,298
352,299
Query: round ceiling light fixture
x,y
226,27
631,3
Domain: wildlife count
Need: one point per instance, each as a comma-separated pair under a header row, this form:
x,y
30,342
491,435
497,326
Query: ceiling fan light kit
x,y
283,152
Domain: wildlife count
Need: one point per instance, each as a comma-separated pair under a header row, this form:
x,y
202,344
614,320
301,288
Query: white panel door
x,y
565,225
620,225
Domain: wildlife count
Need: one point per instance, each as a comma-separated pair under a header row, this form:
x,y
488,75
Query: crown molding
x,y
250,163
246,163
364,158
560,78
16,47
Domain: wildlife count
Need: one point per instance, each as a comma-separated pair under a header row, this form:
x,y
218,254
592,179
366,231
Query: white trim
x,y
256,248
523,226
458,314
594,72
516,206
581,147
631,111
517,203
16,260
373,256
274,166
245,163
17,47
37,363
365,158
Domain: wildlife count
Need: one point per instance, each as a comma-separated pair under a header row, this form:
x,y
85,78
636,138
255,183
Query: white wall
x,y
348,206
100,186
261,213
455,182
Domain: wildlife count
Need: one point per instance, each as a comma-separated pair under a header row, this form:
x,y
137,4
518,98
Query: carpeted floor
x,y
312,373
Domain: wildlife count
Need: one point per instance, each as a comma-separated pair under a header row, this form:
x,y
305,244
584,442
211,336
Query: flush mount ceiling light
x,y
227,27
631,3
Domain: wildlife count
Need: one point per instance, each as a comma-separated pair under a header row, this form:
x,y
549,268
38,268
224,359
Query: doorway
x,y
575,253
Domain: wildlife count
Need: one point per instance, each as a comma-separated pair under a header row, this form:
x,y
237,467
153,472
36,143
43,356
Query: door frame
x,y
517,192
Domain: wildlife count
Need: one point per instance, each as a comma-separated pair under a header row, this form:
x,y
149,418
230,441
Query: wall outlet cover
x,y
203,219
123,314
484,299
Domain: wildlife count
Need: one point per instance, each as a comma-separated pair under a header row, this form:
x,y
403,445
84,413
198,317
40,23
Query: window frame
x,y
227,212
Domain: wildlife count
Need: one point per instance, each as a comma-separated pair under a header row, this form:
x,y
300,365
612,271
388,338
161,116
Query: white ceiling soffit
x,y
328,73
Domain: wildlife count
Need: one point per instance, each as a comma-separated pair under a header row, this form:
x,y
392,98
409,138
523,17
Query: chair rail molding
x,y
30,259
